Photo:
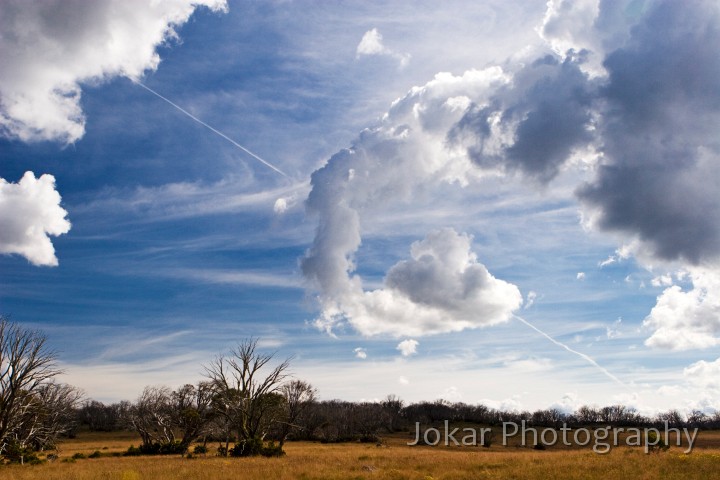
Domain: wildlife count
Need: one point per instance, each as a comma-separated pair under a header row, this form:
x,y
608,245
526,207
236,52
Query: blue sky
x,y
449,167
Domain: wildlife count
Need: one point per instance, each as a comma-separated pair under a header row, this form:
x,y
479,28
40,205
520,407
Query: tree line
x,y
247,404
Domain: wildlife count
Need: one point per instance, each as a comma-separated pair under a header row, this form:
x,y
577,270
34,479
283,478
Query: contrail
x,y
266,163
581,355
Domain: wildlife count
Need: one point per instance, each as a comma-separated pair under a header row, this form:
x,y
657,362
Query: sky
x,y
512,203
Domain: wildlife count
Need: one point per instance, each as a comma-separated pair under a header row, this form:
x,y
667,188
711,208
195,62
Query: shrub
x,y
132,451
247,448
272,450
254,447
14,453
174,448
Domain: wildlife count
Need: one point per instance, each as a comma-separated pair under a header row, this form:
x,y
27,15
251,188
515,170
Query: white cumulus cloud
x,y
384,167
441,288
50,47
704,374
407,347
281,206
30,213
687,319
372,44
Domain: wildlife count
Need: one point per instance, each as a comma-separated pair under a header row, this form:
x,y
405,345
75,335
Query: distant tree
x,y
392,409
698,418
298,396
673,417
34,411
586,415
246,394
100,417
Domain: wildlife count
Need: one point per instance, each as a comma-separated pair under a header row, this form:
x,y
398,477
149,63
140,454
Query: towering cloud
x,y
385,166
632,88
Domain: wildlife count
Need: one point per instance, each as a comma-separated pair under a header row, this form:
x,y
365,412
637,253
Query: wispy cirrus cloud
x,y
183,200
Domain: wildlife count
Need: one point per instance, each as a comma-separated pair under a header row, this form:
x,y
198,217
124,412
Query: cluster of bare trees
x,y
34,409
245,400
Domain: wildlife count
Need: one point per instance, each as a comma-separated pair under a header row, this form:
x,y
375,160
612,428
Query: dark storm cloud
x,y
549,103
655,118
660,179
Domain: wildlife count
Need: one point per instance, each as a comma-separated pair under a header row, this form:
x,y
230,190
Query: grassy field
x,y
393,460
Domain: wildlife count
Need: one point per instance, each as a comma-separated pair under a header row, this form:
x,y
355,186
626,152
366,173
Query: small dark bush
x,y
247,448
174,448
132,451
200,450
16,454
95,454
272,450
254,447
79,456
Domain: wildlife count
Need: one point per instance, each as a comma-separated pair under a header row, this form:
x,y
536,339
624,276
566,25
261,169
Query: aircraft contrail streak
x,y
581,355
266,163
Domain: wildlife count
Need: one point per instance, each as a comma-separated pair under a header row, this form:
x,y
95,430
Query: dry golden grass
x,y
305,460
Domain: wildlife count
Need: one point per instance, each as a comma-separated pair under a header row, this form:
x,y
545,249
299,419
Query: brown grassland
x,y
393,460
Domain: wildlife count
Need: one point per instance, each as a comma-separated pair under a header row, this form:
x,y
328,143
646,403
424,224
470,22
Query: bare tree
x,y
50,412
100,417
152,417
161,415
244,395
33,410
298,395
392,410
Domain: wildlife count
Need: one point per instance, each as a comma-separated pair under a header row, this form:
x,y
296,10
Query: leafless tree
x,y
33,410
169,421
50,412
100,417
586,415
152,417
298,395
392,412
244,395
